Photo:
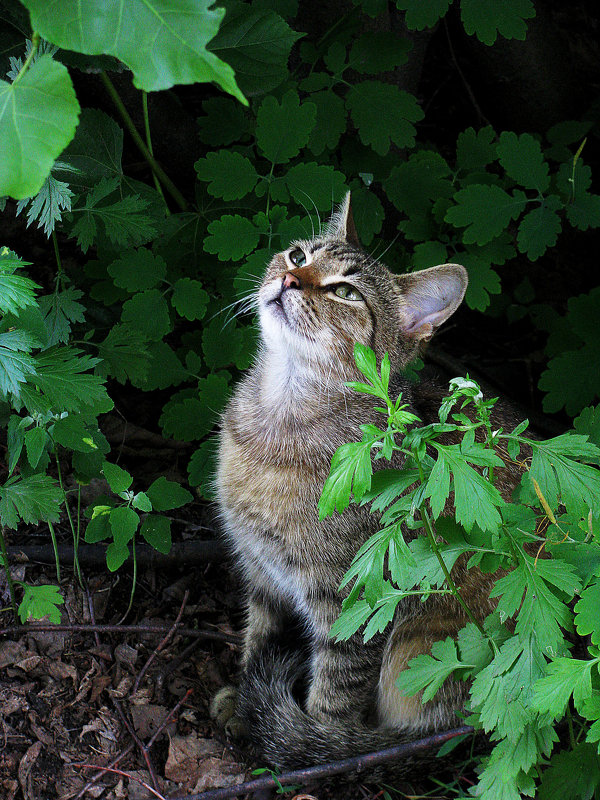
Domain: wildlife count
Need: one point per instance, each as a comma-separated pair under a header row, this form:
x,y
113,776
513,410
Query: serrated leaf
x,y
162,44
60,310
164,369
572,774
588,423
76,434
202,468
296,119
485,211
125,354
379,51
229,174
29,500
16,291
16,367
475,149
330,121
223,123
116,556
166,495
350,472
39,602
539,229
118,478
47,206
312,184
189,299
368,214
415,185
148,313
564,677
586,612
94,153
429,672
256,42
383,114
29,149
232,237
186,419
221,345
35,444
138,269
489,18
483,281
420,15
522,158
156,530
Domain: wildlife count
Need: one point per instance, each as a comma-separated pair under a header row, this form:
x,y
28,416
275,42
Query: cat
x,y
285,421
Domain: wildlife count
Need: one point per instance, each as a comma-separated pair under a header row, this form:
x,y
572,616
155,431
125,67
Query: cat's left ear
x,y
429,297
341,224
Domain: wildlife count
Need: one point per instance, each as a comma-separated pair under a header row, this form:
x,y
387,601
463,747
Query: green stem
x,y
58,262
76,568
149,143
55,548
133,582
572,740
141,145
35,43
9,580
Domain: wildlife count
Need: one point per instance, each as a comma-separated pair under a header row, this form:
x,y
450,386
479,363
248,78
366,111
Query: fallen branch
x,y
159,630
309,774
94,555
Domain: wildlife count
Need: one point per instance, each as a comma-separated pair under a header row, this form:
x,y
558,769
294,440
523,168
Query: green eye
x,y
347,292
297,257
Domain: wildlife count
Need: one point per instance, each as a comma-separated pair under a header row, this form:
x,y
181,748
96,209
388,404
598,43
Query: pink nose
x,y
290,281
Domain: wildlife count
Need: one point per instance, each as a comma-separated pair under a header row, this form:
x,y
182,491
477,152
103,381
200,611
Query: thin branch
x,y
103,770
355,764
161,644
141,746
217,636
123,774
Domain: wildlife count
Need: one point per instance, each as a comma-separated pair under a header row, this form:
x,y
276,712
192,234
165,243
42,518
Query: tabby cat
x,y
285,421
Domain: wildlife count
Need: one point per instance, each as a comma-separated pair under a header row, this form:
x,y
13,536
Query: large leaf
x,y
38,117
162,42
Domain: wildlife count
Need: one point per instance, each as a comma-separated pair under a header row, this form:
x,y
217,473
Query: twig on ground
x,y
124,775
355,764
169,635
141,746
103,770
217,636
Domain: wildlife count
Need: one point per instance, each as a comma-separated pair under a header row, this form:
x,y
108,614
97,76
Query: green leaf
x,y
414,185
350,471
162,44
230,175
163,370
231,237
16,367
116,556
47,206
16,291
118,478
72,432
421,15
475,149
488,18
588,423
483,281
94,153
124,523
256,42
221,344
223,123
61,375
125,221
98,528
29,499
141,501
156,530
429,672
60,310
138,269
166,495
368,214
586,612
572,774
125,355
39,602
35,444
296,119
330,124
38,117
383,114
189,299
315,184
564,677
202,468
539,229
555,466
521,156
485,211
148,313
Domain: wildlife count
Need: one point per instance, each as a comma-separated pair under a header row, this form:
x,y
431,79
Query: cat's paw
x,y
222,711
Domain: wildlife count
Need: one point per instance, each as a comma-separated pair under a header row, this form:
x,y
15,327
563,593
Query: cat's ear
x,y
429,297
341,225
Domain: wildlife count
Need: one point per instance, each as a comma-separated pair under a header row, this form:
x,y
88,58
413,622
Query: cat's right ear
x,y
341,225
429,297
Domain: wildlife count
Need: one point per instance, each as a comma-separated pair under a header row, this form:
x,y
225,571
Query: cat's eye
x,y
297,257
347,292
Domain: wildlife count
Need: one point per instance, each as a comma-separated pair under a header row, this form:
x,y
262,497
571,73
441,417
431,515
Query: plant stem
x,y
9,580
76,569
141,145
133,582
55,548
58,261
149,143
35,43
572,740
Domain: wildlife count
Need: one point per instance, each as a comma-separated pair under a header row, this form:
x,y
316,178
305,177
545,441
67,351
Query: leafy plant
x,y
546,544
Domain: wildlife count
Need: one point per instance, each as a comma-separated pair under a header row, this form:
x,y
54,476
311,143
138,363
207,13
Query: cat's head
x,y
321,296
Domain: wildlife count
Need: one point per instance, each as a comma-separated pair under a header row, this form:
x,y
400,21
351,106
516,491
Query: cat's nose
x,y
290,281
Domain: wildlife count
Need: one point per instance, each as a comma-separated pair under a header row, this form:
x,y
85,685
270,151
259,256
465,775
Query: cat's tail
x,y
288,738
